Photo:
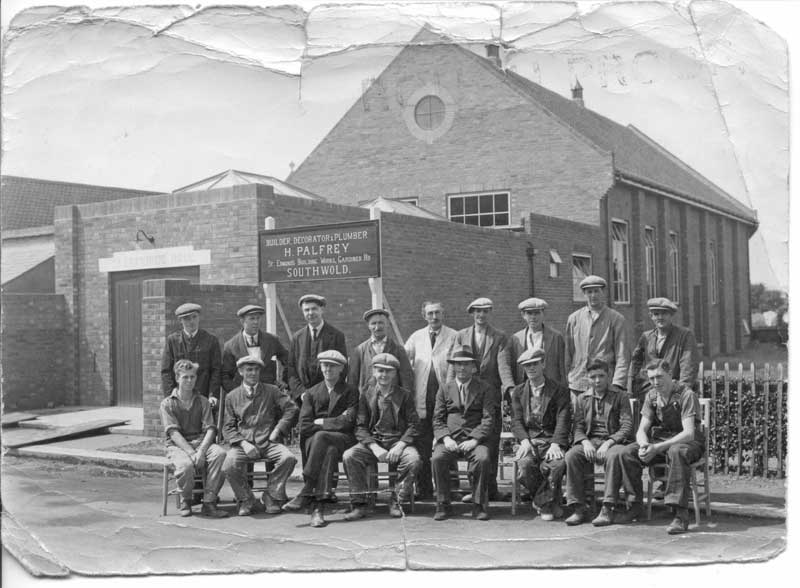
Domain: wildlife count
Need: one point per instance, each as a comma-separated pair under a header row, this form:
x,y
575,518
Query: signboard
x,y
124,261
320,252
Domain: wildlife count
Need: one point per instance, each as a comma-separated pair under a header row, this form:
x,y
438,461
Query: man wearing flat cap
x,y
538,335
667,341
360,362
428,350
492,352
463,419
252,340
385,429
596,332
256,415
327,422
198,346
541,421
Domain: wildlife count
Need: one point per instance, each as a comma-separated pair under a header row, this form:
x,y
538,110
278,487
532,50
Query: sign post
x,y
376,284
270,291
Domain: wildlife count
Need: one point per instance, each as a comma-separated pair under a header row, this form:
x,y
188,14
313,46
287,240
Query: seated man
x,y
256,415
541,423
327,421
602,427
386,429
190,431
669,428
462,422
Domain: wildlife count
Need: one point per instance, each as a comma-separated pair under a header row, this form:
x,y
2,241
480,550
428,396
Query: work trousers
x,y
542,478
278,457
359,461
580,472
185,470
324,450
479,465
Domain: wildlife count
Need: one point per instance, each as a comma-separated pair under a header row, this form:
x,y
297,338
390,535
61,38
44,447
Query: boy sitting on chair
x,y
190,431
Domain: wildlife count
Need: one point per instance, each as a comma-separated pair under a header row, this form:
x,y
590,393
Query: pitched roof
x,y
400,207
29,202
20,255
234,177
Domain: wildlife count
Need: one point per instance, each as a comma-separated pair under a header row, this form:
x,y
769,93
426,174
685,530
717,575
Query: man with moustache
x,y
538,335
360,362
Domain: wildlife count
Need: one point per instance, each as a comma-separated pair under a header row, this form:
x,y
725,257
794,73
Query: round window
x,y
429,112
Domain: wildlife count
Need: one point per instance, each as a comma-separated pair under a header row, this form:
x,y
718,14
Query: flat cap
x,y
250,309
373,311
386,360
531,356
332,356
593,282
662,304
186,365
312,298
249,360
480,303
532,304
187,308
463,355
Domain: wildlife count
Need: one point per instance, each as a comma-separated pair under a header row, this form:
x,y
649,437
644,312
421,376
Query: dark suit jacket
x,y
236,348
553,343
204,349
360,362
338,410
495,366
403,409
303,369
679,349
474,419
556,412
253,419
619,422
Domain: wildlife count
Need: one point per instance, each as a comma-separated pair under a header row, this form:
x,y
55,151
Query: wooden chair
x,y
384,474
658,471
166,492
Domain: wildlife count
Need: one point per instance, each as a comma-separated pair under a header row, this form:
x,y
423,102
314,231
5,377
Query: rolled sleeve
x,y
208,416
168,418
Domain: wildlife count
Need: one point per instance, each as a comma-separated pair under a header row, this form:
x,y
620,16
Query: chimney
x,y
493,54
577,92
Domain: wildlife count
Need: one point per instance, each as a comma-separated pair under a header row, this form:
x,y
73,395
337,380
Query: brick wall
x,y
36,370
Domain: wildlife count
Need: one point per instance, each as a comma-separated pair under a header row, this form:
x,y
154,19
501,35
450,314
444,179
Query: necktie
x,y
251,341
313,333
433,339
530,339
463,393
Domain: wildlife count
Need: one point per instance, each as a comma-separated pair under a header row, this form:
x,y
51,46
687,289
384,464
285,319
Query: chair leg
x,y
514,488
695,497
164,491
650,475
707,488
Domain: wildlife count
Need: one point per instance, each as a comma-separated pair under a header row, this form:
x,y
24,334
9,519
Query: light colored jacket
x,y
422,356
605,338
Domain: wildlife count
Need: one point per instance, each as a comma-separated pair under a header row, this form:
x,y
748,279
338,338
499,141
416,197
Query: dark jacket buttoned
x,y
338,410
236,348
203,349
405,414
617,411
495,363
304,371
553,344
254,419
556,412
473,419
679,349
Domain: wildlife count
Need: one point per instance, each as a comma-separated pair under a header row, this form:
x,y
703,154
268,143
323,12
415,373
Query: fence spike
x,y
765,456
754,412
715,404
779,423
739,420
726,385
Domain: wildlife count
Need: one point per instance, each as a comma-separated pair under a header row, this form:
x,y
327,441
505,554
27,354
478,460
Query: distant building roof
x,y
400,207
234,177
29,202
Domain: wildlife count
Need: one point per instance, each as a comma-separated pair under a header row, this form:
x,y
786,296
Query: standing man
x,y
327,422
256,415
361,372
428,350
603,426
541,423
670,342
462,423
537,335
596,332
386,429
196,345
252,340
669,430
490,347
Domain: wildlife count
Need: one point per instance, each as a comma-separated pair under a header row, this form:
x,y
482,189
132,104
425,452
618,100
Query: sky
x,y
159,97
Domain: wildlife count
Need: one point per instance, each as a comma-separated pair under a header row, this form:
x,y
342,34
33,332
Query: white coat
x,y
422,356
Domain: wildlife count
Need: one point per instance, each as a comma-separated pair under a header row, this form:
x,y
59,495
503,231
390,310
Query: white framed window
x,y
581,267
621,262
482,209
712,270
411,200
650,260
675,267
555,263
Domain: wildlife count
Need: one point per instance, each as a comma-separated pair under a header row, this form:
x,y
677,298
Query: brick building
x,y
452,131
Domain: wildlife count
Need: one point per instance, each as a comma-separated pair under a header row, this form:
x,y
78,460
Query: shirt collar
x,y
319,328
459,383
250,391
192,335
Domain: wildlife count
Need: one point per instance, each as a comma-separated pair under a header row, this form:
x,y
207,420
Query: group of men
x,y
424,405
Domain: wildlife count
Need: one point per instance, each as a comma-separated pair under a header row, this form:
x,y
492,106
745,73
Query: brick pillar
x,y
66,228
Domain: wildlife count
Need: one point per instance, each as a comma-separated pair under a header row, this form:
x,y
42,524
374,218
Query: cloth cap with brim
x,y
593,282
249,360
332,356
315,298
662,304
480,303
187,308
186,365
531,356
462,356
373,311
385,360
250,309
532,304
